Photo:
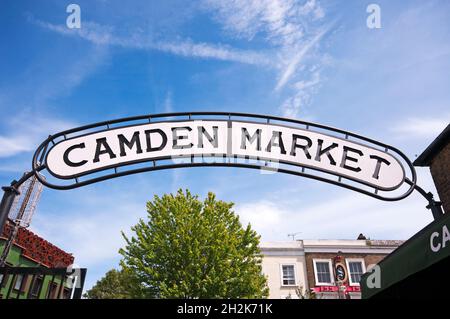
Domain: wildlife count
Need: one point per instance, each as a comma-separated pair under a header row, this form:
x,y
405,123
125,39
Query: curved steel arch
x,y
39,163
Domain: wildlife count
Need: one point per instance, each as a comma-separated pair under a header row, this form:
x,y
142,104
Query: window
x,y
19,283
355,270
288,275
52,291
4,278
322,272
66,293
36,288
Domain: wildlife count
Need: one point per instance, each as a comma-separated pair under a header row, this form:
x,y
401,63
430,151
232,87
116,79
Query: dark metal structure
x,y
22,211
39,158
33,291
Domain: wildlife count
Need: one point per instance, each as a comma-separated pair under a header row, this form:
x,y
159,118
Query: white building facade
x,y
284,265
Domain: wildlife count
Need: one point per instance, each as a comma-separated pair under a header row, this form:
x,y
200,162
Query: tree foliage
x,y
116,284
193,249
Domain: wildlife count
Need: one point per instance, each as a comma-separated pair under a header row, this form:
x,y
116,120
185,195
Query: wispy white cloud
x,y
11,145
104,35
264,216
282,22
168,103
188,48
421,127
29,125
304,90
91,31
343,217
293,64
321,211
26,136
92,240
15,167
293,27
24,130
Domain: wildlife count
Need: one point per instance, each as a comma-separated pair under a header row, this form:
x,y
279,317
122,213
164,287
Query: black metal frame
x,y
42,272
39,165
39,158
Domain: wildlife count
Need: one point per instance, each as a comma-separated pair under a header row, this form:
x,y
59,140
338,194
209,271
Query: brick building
x,y
437,157
325,258
295,268
411,271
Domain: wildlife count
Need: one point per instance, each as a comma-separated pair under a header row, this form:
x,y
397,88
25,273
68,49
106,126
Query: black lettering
x,y
107,150
276,135
66,156
327,150
346,157
376,173
213,140
124,142
305,148
246,137
149,143
176,137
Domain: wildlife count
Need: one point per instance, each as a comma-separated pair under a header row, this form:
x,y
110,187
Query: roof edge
x,y
430,152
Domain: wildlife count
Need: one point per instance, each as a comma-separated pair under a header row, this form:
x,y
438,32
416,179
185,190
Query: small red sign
x,y
336,288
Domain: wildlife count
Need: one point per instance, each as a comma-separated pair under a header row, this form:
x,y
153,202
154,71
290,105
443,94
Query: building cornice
x,y
282,252
350,250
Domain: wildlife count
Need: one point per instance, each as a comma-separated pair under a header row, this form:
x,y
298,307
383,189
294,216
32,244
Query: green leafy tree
x,y
193,249
116,284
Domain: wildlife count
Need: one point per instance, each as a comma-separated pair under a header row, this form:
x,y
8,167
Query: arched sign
x,y
110,149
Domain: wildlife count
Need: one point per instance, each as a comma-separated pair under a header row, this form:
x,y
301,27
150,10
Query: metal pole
x,y
17,221
10,192
435,207
79,284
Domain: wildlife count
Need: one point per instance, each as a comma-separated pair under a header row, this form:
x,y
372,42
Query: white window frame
x,y
20,282
295,275
330,267
363,267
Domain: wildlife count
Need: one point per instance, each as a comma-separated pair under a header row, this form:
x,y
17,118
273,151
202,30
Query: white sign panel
x,y
165,140
315,150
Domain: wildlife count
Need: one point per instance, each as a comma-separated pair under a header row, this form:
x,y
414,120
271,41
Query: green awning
x,y
413,262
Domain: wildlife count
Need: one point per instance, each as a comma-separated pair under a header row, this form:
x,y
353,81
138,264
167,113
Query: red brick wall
x,y
369,259
440,170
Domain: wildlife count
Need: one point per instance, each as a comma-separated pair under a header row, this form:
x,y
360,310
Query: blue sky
x,y
313,60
